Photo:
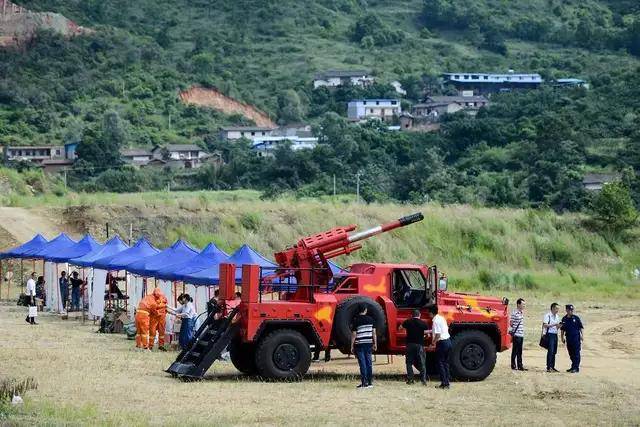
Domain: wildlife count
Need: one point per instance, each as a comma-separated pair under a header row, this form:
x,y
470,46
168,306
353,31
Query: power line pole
x,y
334,186
358,188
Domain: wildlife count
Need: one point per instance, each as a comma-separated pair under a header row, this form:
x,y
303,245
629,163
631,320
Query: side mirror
x,y
442,284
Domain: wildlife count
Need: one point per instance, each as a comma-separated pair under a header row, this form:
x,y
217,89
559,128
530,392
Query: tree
x,y
613,209
290,108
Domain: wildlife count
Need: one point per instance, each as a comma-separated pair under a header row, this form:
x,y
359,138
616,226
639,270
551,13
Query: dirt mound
x,y
18,25
213,98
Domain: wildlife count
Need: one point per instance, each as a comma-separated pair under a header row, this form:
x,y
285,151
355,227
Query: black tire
x,y
243,357
473,356
345,313
283,354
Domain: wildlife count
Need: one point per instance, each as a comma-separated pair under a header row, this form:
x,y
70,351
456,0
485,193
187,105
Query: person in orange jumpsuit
x,y
158,320
146,309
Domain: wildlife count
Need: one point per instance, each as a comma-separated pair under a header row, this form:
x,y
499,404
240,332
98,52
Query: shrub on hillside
x,y
613,209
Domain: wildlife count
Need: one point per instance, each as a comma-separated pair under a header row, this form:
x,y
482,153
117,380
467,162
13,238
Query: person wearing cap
x,y
572,335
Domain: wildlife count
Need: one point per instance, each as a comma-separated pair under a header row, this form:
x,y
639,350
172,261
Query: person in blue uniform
x,y
572,335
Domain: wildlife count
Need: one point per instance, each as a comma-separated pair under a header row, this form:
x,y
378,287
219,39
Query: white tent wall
x,y
50,281
166,286
97,294
88,275
136,288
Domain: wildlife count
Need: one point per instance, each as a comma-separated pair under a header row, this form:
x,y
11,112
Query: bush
x,y
251,221
613,209
552,251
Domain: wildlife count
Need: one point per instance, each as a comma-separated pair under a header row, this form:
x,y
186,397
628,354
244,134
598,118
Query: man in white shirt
x,y
31,296
442,342
550,325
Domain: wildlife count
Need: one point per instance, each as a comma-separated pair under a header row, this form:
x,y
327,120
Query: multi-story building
x,y
382,109
265,146
435,106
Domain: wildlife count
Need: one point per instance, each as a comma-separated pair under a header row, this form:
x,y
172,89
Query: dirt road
x,y
82,368
22,224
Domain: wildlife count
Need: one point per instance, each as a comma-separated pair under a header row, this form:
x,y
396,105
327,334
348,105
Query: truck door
x,y
410,291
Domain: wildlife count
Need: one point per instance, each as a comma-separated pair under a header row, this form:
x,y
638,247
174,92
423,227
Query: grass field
x,y
86,378
480,248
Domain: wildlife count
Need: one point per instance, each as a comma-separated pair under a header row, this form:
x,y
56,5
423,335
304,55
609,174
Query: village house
x,y
249,132
382,109
571,82
266,146
335,78
435,106
595,181
486,83
136,156
50,158
34,154
191,155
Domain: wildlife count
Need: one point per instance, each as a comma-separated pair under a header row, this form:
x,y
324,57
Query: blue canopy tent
x,y
52,248
35,244
244,255
83,247
209,257
112,247
178,252
120,260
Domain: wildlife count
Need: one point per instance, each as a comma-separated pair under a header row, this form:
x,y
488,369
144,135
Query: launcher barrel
x,y
405,220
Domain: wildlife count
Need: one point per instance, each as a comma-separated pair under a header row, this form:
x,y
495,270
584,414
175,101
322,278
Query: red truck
x,y
284,313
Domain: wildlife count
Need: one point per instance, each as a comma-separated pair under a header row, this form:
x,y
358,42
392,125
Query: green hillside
x,y
266,52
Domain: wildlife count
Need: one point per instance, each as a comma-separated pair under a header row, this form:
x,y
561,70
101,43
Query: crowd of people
x,y
151,314
571,334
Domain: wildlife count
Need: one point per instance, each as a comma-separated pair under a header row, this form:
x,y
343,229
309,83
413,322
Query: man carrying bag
x,y
549,338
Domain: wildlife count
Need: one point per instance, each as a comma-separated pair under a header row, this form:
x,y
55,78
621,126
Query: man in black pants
x,y
516,330
442,341
414,355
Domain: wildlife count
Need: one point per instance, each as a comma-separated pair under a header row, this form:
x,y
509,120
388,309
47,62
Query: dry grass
x,y
90,379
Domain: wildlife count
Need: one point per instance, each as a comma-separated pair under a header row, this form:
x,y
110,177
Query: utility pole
x,y
169,121
358,187
65,179
334,186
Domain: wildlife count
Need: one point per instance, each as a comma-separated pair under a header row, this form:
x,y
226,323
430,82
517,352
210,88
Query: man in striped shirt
x,y
516,330
363,343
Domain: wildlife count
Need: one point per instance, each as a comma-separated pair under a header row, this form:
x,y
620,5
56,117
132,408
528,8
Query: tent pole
x,y
21,271
82,294
58,289
2,278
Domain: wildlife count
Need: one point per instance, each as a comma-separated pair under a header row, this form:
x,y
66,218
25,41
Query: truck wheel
x,y
473,356
243,357
283,354
347,310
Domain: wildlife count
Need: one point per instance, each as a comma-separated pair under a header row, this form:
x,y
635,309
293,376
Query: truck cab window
x,y
409,288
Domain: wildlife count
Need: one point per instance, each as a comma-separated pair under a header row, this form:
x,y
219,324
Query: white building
x,y
249,132
492,82
335,78
190,154
265,146
383,109
35,154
